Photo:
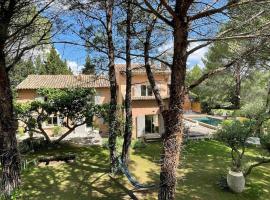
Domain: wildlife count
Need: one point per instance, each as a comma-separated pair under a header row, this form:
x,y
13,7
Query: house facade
x,y
147,120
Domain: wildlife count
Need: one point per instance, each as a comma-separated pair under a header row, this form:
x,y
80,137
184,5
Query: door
x,y
151,124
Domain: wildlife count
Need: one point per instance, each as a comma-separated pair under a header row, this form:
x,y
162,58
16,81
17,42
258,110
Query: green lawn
x,y
88,177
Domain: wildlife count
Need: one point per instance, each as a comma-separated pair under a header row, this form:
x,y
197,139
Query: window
x,y
146,90
53,121
151,124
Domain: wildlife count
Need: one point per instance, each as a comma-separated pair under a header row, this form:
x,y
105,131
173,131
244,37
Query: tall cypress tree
x,y
20,72
89,68
54,65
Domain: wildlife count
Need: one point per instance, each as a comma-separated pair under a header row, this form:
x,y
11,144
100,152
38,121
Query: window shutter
x,y
137,90
140,126
161,124
97,99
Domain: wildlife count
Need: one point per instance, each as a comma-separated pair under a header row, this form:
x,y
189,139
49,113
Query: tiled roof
x,y
148,97
138,68
63,81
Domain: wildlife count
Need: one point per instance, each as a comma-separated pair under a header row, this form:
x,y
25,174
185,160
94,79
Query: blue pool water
x,y
209,120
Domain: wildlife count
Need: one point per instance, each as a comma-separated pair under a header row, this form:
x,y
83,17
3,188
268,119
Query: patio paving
x,y
196,130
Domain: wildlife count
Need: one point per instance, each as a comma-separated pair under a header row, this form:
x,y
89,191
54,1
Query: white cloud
x,y
41,51
74,66
196,57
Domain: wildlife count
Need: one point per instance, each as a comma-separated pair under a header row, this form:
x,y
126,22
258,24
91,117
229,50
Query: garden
x,y
204,165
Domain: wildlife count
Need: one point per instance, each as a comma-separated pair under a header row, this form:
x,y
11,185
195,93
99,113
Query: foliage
x,y
222,112
234,134
194,74
203,162
118,144
89,68
21,71
21,131
74,106
53,64
139,143
103,112
265,141
57,130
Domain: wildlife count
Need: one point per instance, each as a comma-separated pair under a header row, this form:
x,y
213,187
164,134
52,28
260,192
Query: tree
x,y
89,68
21,71
184,17
74,107
54,65
128,106
235,134
97,31
22,29
245,80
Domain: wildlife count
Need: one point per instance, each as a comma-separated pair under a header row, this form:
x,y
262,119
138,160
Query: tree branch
x,y
263,161
153,10
231,4
220,69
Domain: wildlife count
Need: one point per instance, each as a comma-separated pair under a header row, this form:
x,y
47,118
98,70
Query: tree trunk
x,y
236,95
9,154
113,87
173,118
43,132
128,106
149,72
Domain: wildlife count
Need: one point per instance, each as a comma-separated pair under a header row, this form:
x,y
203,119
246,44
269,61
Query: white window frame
x,y
148,89
51,120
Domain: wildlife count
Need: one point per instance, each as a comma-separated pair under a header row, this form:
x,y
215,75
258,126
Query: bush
x,y
139,144
57,130
118,145
234,134
265,141
20,131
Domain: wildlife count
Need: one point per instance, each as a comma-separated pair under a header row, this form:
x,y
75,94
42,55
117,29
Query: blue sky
x,y
75,55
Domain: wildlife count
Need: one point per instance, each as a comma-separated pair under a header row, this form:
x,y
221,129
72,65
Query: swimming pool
x,y
209,120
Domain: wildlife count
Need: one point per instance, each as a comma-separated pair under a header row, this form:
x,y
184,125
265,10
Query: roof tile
x,y
63,81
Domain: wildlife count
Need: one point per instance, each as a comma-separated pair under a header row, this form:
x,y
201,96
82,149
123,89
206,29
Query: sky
x,y
75,55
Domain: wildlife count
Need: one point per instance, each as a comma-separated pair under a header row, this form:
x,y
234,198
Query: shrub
x,y
57,130
20,131
265,141
138,144
234,134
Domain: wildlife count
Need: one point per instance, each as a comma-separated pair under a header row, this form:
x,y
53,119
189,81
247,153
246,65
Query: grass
x,y
88,178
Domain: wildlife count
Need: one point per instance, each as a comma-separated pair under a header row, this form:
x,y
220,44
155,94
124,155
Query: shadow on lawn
x,y
204,163
86,178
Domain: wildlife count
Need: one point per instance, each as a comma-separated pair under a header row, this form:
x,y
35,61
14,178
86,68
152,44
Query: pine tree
x,y
88,67
20,72
53,64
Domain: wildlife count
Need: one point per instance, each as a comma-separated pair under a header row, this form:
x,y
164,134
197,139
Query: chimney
x,y
78,77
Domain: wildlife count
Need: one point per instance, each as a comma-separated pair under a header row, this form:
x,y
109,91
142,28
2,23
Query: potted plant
x,y
234,134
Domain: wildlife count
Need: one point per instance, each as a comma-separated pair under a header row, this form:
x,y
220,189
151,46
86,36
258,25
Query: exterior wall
x,y
103,95
187,104
196,107
140,108
162,81
26,95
